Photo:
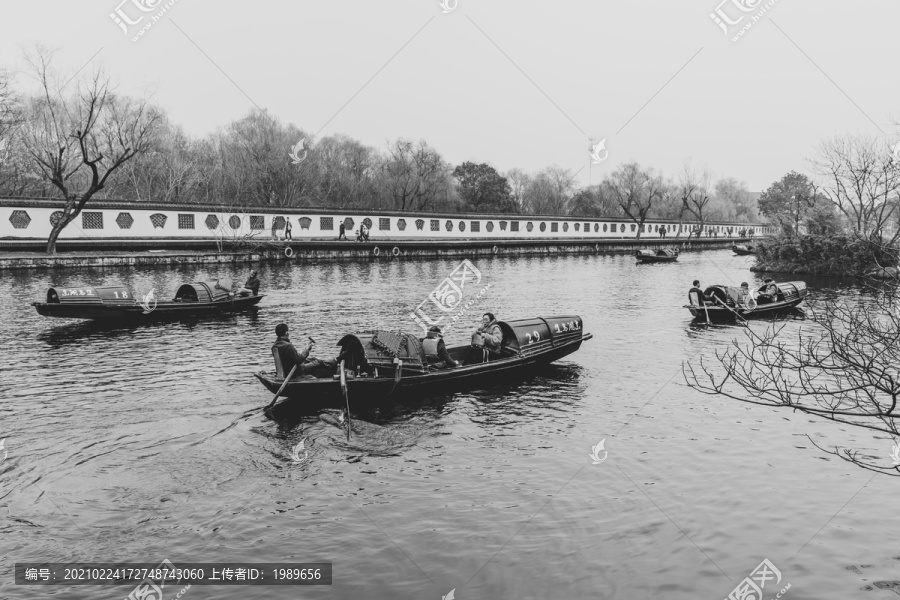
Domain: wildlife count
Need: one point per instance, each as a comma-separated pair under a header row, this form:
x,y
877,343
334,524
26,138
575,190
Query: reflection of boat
x,y
192,299
649,256
742,250
786,298
392,364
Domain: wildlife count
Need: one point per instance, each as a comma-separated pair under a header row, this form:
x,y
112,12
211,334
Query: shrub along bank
x,y
822,255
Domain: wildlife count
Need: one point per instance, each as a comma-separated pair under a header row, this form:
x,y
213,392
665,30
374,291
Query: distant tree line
x,y
77,139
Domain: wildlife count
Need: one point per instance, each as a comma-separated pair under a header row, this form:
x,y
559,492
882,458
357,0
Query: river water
x,y
141,444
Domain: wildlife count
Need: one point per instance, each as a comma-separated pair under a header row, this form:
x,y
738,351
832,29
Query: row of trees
x,y
78,139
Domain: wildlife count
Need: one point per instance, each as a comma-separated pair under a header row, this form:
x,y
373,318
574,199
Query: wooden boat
x,y
650,256
742,250
787,297
393,364
191,299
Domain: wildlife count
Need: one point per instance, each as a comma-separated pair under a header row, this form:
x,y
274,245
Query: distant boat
x,y
650,256
192,299
728,305
393,363
742,250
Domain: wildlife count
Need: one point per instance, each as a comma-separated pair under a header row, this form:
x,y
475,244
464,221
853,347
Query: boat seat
x,y
279,369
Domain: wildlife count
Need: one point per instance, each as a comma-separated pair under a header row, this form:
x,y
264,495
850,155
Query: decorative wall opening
x,y
304,222
543,226
490,226
257,222
158,220
514,226
19,219
367,222
448,225
234,222
420,224
92,220
185,221
384,223
529,227
212,222
349,223
474,226
278,223
326,223
401,224
462,225
56,217
124,220
435,225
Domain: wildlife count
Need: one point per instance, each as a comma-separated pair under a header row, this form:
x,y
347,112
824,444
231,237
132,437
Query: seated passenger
x,y
768,293
744,294
306,366
488,337
436,351
251,286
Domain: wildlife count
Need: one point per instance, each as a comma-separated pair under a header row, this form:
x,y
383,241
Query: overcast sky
x,y
512,83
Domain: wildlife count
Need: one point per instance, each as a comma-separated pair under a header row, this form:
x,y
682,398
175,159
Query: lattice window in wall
x,y
462,225
212,222
158,220
257,222
384,223
185,221
92,220
326,223
304,222
349,223
19,219
435,225
502,225
448,225
278,223
124,220
401,224
529,226
367,222
622,228
420,224
234,222
577,226
475,226
514,226
587,227
56,217
490,226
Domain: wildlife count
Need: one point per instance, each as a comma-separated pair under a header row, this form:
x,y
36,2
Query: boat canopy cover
x,y
727,293
90,295
520,334
208,291
379,348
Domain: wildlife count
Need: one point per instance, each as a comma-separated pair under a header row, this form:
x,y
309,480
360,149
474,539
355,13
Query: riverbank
x,y
333,250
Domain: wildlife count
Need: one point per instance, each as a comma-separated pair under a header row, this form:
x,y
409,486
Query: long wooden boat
x,y
727,304
650,256
118,303
393,364
742,250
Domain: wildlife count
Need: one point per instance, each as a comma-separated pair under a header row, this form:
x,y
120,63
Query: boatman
x,y
696,297
436,350
305,365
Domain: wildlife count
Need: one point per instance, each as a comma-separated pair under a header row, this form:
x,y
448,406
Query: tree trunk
x,y
54,235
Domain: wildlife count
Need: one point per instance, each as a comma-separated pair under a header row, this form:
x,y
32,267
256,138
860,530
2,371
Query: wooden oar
x,y
346,396
729,308
283,385
706,310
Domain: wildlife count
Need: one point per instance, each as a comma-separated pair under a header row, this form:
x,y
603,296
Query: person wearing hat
x,y
435,349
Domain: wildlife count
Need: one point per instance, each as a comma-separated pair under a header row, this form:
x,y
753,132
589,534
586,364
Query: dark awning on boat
x,y
379,348
523,333
208,291
90,295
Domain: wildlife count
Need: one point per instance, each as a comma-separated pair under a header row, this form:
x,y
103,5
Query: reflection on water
x,y
148,441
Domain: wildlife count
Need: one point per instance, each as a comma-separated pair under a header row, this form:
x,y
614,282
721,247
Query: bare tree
x,y
549,192
78,142
518,182
843,368
414,175
694,192
862,179
635,190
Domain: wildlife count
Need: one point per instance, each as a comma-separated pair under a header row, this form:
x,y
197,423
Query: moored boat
x,y
651,256
118,302
742,250
392,364
727,303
